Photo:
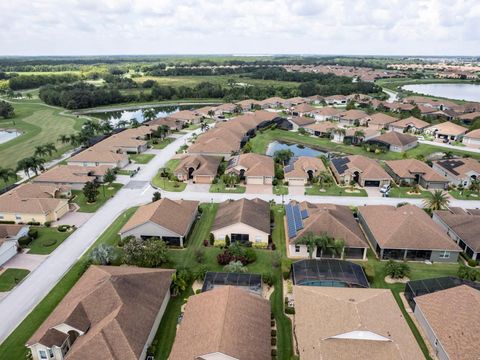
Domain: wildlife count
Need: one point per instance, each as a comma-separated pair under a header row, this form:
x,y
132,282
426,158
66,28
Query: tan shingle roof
x,y
323,126
256,165
95,154
202,165
368,168
302,165
255,213
396,138
465,225
9,230
410,121
405,227
118,304
176,216
227,320
334,220
303,108
474,134
453,316
323,313
381,119
302,120
71,174
327,111
460,167
30,199
353,114
408,168
448,128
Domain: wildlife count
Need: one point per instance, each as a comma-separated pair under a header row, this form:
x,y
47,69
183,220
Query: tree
x,y
7,174
211,239
6,110
103,255
40,151
324,178
475,186
156,196
283,156
148,253
309,239
238,109
64,139
180,281
350,105
211,113
438,200
397,270
24,165
227,240
325,243
109,176
235,267
230,179
90,191
149,114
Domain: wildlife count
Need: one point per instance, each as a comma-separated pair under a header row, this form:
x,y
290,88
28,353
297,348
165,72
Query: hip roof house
x,y
413,171
360,169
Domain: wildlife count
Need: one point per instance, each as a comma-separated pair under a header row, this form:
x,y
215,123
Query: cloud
x,y
71,27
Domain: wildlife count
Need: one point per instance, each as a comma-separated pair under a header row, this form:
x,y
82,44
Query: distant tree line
x,y
33,81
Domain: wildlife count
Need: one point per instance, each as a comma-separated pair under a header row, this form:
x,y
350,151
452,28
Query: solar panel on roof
x,y
292,231
298,217
304,214
340,164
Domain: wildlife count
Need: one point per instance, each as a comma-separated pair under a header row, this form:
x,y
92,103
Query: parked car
x,y
385,189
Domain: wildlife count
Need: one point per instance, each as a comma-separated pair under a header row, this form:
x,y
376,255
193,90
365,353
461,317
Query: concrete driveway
x,y
296,190
373,191
25,261
73,218
203,188
259,189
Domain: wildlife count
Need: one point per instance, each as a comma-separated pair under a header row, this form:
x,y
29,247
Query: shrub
x,y
274,352
198,291
219,243
211,239
250,255
472,262
49,242
200,273
275,182
274,333
467,273
224,258
273,341
272,323
267,278
33,233
7,222
227,240
125,240
206,243
24,241
235,267
200,255
397,270
259,245
48,223
290,310
33,223
63,228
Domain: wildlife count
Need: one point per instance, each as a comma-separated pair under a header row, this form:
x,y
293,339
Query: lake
x,y
297,150
7,135
126,115
468,92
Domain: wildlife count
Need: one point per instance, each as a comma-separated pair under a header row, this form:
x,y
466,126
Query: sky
x,y
350,27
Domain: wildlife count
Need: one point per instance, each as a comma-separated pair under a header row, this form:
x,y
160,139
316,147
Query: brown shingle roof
x,y
256,165
95,154
71,174
30,199
353,114
327,111
453,316
448,128
9,230
408,168
474,134
396,138
120,303
255,213
322,314
406,227
465,225
460,167
302,120
381,119
202,165
226,320
303,108
368,168
334,220
302,165
410,121
176,216
322,127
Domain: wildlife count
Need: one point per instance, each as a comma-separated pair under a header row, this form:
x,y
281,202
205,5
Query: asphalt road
x,y
19,302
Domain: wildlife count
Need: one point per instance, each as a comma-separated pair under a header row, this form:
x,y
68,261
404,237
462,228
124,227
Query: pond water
x,y
297,150
126,115
7,135
468,92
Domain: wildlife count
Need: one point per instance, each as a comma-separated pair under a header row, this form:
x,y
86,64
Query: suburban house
x,y
472,138
406,233
336,221
446,131
112,312
171,123
187,116
271,103
355,323
395,141
9,235
97,156
223,109
321,129
248,105
461,171
355,135
243,220
206,111
302,110
302,169
413,171
359,169
380,121
201,169
326,113
463,226
336,100
410,124
252,168
34,203
296,101
450,321
73,176
169,220
469,118
301,122
314,99
225,323
353,117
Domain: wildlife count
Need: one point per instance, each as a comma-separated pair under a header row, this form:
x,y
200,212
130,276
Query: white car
x,y
385,189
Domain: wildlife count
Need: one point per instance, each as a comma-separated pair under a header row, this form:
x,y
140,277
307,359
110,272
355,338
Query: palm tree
x,y
323,179
64,139
357,135
25,166
475,186
310,240
49,148
149,114
438,200
40,151
6,174
36,164
238,109
121,124
325,243
211,113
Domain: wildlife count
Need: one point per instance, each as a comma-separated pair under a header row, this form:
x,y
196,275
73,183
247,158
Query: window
x,y
50,352
42,354
18,217
258,238
297,248
1,216
444,255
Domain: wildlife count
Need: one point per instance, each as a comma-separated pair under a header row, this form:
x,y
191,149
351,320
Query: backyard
x,y
105,193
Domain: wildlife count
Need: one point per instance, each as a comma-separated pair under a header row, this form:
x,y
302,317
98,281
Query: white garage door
x,y
7,251
296,182
255,180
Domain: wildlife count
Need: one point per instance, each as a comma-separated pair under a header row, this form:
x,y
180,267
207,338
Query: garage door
x,y
199,179
296,182
255,180
372,183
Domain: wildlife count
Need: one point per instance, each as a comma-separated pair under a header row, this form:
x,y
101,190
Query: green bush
x,y
290,310
211,239
250,255
267,278
472,262
198,291
274,333
24,241
7,222
397,270
274,352
48,223
260,245
49,242
33,233
125,240
200,273
467,273
33,223
273,341
200,255
63,228
219,243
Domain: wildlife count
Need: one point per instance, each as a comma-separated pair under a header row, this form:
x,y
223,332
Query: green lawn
x,y
11,277
48,240
162,143
40,124
464,194
141,158
14,346
164,183
221,188
333,190
280,190
105,193
262,139
403,192
124,172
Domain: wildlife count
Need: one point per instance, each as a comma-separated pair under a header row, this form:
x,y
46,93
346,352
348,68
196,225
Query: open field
x,y
14,346
40,124
262,139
